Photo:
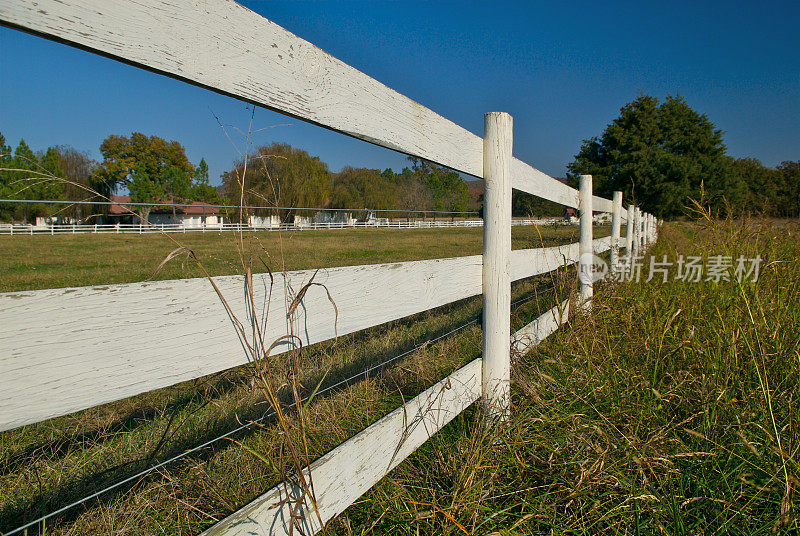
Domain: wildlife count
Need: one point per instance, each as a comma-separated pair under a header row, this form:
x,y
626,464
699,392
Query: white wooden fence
x,y
117,341
155,228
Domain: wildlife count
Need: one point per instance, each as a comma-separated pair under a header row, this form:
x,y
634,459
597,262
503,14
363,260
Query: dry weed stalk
x,y
251,332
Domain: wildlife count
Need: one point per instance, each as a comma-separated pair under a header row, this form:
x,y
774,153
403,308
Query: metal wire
x,y
129,204
245,426
537,293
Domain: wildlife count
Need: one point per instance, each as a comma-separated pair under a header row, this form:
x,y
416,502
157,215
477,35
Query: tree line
x,y
155,170
25,174
662,155
152,169
283,176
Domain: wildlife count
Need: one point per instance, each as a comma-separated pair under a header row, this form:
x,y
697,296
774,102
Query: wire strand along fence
x,y
167,332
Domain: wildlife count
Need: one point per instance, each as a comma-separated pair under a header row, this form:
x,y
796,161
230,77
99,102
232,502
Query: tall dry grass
x,y
673,410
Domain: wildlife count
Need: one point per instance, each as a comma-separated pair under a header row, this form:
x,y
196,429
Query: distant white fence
x,y
135,228
121,340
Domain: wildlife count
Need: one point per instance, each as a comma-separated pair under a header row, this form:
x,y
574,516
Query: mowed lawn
x,y
44,261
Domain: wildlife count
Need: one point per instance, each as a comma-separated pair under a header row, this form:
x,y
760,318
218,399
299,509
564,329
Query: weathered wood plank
x,y
531,262
81,347
524,339
347,472
529,179
600,204
601,245
76,348
225,47
586,245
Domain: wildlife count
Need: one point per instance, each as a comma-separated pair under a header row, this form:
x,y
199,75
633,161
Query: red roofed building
x,y
197,214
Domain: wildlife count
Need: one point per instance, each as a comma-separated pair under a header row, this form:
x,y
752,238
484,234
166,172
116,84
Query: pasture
x,y
43,261
174,407
675,413
47,465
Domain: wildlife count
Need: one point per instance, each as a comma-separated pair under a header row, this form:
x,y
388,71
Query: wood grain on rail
x,y
227,48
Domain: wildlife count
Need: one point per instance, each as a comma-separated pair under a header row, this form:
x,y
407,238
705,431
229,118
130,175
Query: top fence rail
x,y
229,49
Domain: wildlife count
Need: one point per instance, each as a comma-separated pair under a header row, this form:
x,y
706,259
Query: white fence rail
x,y
343,475
225,47
79,347
135,228
188,334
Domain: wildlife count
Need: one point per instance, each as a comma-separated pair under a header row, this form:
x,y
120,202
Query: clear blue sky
x,y
562,69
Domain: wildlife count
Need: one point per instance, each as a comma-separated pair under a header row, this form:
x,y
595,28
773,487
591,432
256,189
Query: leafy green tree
x,y
448,190
202,189
279,175
178,187
789,188
50,162
5,150
659,155
145,189
761,186
25,177
152,168
363,188
6,178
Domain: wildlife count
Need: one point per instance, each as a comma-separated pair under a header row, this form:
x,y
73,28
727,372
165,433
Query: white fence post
x,y
497,157
586,259
653,225
629,232
616,222
637,226
642,240
644,231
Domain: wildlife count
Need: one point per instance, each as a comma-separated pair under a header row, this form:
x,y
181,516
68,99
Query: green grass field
x,y
672,410
47,465
43,261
